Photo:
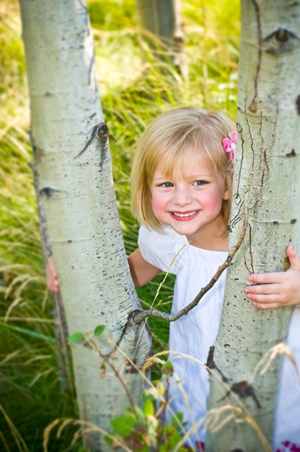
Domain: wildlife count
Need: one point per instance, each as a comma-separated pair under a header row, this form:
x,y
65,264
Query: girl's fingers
x,y
265,298
293,258
266,306
268,289
55,286
266,278
274,290
51,275
273,301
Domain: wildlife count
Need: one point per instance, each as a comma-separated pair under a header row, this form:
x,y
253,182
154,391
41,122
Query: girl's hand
x,y
274,290
51,275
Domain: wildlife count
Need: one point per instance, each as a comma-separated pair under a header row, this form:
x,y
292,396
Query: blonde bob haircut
x,y
165,142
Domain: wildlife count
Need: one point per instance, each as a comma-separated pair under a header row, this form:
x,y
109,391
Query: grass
x,y
134,89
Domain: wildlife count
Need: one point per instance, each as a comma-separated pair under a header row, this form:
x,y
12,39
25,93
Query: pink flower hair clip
x,y
229,144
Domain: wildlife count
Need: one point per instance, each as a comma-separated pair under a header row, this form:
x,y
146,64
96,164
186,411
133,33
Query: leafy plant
x,y
145,428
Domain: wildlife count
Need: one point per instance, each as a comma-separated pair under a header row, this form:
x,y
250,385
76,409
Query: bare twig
x,y
116,372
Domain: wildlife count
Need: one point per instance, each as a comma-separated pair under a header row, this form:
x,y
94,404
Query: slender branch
x,y
172,317
116,372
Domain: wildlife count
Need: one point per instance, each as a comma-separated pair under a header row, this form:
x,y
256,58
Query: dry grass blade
x,y
16,280
36,358
47,433
166,275
10,356
40,375
63,425
10,308
150,362
76,436
270,356
85,427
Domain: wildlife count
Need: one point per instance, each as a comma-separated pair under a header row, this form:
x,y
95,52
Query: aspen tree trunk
x,y
59,316
163,20
267,188
75,176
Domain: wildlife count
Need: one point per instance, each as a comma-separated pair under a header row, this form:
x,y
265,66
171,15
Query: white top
x,y
194,333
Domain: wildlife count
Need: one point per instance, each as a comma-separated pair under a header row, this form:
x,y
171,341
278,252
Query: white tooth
x,y
185,214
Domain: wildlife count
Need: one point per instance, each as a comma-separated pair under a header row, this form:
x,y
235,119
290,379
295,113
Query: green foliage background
x,y
134,88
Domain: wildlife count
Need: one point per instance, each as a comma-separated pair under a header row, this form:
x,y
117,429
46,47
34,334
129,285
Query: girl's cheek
x,y
157,208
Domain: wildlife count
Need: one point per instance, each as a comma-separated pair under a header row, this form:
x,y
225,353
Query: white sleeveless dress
x,y
193,334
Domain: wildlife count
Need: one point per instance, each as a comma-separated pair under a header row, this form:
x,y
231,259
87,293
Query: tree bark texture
x,y
75,176
163,20
267,190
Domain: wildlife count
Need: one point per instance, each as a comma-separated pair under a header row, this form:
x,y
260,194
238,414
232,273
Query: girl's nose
x,y
182,196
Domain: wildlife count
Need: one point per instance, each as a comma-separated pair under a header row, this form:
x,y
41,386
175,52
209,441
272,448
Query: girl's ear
x,y
226,195
226,192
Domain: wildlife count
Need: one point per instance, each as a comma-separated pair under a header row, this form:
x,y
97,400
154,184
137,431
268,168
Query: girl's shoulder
x,y
171,251
166,236
162,249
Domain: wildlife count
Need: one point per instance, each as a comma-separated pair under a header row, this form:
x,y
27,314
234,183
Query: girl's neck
x,y
213,242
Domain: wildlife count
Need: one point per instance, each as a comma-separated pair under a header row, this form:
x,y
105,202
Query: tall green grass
x,y
134,89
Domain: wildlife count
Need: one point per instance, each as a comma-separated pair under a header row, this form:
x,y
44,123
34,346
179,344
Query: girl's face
x,y
191,200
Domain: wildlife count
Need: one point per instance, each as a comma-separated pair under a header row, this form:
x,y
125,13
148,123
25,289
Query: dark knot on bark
x,y
103,130
282,35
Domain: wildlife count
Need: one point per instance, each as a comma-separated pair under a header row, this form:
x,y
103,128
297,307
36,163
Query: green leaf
x,y
168,369
148,407
124,425
145,396
108,440
99,330
177,420
76,337
139,414
172,439
160,388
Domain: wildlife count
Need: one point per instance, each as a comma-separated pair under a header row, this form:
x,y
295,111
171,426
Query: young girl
x,y
181,191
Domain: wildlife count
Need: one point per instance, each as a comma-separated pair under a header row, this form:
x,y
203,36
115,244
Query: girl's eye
x,y
167,184
199,182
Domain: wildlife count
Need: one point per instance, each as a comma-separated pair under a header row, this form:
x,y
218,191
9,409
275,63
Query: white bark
x,y
80,205
267,170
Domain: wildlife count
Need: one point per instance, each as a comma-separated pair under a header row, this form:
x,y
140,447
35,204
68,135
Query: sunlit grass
x,y
134,89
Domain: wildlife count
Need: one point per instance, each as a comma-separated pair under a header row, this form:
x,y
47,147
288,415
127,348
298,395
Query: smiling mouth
x,y
185,215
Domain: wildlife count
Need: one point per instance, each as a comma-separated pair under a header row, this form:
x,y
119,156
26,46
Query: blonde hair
x,y
167,138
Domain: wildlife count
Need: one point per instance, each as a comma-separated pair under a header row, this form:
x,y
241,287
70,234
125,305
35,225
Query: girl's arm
x,y
274,290
141,271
